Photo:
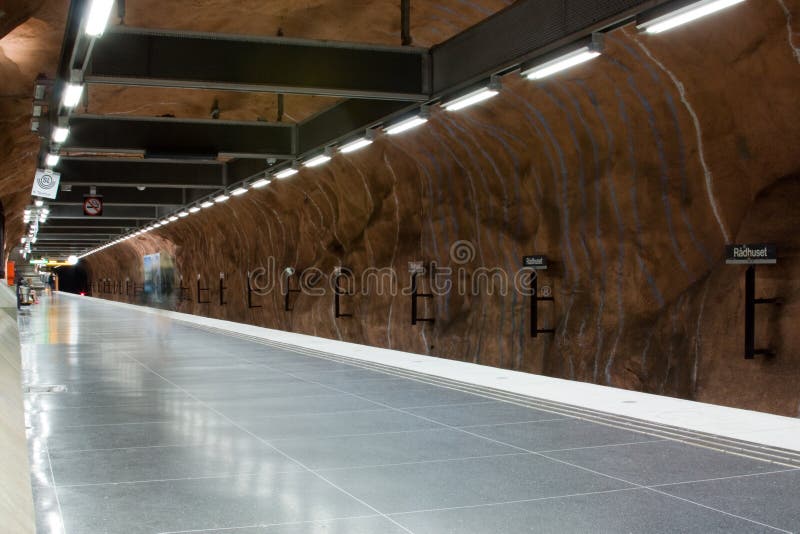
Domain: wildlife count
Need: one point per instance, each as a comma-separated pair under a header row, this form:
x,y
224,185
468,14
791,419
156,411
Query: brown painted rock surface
x,y
630,173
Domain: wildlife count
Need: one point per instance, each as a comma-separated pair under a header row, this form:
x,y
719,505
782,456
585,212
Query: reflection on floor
x,y
164,427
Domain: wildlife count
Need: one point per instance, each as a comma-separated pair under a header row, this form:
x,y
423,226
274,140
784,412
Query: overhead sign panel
x,y
752,253
537,261
93,206
45,184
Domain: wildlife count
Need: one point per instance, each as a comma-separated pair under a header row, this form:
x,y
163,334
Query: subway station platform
x,y
141,421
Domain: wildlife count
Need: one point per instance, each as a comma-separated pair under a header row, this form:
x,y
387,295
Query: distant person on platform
x,y
51,283
21,282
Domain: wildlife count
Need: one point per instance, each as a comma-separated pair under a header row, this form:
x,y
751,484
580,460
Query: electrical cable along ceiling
x,y
152,171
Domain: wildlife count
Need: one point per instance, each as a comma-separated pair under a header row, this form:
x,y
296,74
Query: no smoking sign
x,y
93,206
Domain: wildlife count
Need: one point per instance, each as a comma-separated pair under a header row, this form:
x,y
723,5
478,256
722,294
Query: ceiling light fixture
x,y
321,159
60,134
241,190
221,198
287,172
358,144
98,17
52,160
183,213
547,66
206,204
194,209
678,17
408,124
72,95
474,97
261,182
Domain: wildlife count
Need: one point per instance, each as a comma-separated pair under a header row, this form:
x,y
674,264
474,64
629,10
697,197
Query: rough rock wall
x,y
630,173
30,39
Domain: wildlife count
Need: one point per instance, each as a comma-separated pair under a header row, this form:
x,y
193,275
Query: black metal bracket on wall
x,y
750,302
128,287
415,296
289,290
137,290
250,294
535,298
338,292
200,291
182,291
222,289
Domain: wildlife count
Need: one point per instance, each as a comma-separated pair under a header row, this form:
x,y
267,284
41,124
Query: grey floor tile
x,y
364,525
636,511
350,374
187,432
335,424
467,482
380,449
489,413
49,401
48,517
415,395
244,456
251,391
243,411
174,410
662,462
773,499
555,435
204,504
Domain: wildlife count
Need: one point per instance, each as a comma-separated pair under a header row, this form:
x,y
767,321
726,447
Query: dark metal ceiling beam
x,y
130,172
90,223
524,30
186,138
137,56
130,197
344,119
140,213
69,238
47,230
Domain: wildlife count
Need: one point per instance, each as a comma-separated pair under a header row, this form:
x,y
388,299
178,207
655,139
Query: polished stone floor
x,y
164,427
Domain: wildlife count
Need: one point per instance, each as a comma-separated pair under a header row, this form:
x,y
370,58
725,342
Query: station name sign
x,y
535,262
751,253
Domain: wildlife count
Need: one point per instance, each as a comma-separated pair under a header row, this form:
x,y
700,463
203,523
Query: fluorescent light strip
x,y
239,191
173,218
60,134
98,17
484,93
184,213
261,182
194,209
206,204
406,125
685,15
72,95
285,173
564,62
355,145
221,198
317,161
52,160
